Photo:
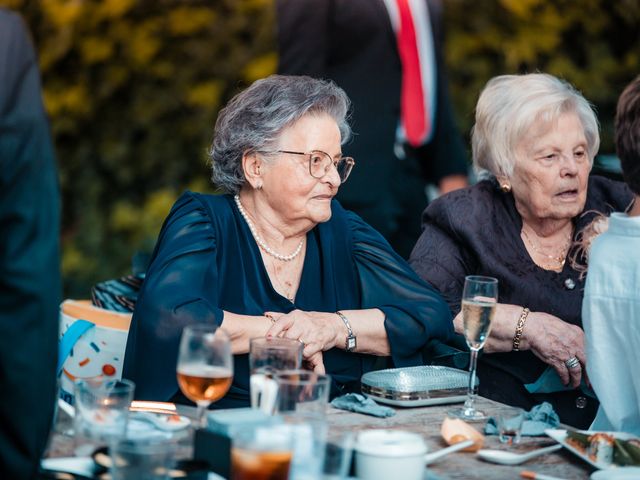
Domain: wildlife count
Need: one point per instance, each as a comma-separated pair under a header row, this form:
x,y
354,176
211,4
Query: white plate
x,y
619,473
560,436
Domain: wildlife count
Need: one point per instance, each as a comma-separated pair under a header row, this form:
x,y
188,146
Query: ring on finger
x,y
572,362
302,342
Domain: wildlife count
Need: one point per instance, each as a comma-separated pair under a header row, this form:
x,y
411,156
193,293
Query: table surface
x,y
425,421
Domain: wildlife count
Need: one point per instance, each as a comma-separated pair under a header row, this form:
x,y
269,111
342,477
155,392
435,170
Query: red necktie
x,y
413,105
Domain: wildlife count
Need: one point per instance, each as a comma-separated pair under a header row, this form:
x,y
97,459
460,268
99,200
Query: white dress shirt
x,y
611,319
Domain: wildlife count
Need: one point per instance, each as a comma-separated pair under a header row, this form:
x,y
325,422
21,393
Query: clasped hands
x,y
317,331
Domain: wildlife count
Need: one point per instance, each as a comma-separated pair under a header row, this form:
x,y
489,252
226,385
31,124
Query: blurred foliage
x,y
133,88
593,44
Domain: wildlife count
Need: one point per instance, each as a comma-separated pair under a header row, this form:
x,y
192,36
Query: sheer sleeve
x,y
414,311
179,289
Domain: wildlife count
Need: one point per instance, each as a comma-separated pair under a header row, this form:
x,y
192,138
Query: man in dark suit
x,y
353,43
29,257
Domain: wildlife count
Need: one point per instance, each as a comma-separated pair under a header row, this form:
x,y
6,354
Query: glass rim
x,y
275,343
204,329
98,383
150,444
200,327
481,279
305,377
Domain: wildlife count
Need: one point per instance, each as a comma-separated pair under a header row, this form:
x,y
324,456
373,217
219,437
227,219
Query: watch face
x,y
351,343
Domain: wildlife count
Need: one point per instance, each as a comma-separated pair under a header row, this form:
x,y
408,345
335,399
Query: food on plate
x,y
601,448
605,448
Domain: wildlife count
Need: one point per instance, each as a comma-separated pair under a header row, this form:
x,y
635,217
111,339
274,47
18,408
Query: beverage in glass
x,y
479,301
204,382
302,401
205,365
262,453
509,421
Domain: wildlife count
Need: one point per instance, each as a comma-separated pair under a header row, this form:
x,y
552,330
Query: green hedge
x,y
133,88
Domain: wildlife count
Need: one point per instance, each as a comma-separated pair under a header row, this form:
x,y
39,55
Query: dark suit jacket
x,y
29,257
352,42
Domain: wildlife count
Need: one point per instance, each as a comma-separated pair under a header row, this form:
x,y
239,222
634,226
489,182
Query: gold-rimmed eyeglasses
x,y
320,162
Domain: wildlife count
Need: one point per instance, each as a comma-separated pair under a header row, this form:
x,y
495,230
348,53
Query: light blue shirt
x,y
611,319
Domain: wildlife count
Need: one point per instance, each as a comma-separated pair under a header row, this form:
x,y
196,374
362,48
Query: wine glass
x,y
205,365
479,300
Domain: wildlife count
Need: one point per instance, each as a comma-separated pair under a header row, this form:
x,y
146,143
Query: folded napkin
x,y
535,422
354,402
550,382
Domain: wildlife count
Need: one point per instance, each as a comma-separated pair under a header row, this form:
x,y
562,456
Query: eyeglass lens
x,y
320,163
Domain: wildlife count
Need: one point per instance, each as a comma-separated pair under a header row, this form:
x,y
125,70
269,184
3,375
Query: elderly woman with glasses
x,y
277,255
535,137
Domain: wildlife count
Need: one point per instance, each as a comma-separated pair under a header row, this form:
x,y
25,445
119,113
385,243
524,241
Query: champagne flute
x,y
479,300
205,366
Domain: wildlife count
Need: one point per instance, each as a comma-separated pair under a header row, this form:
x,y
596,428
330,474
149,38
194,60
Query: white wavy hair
x,y
508,107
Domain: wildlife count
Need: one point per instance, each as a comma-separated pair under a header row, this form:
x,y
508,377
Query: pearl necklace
x,y
261,243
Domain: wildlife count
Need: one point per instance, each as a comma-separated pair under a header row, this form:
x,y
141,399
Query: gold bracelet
x,y
519,328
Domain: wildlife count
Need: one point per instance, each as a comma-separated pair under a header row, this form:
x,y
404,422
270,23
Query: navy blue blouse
x,y
207,262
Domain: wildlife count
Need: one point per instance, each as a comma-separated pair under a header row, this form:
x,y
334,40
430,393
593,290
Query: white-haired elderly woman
x,y
536,137
277,255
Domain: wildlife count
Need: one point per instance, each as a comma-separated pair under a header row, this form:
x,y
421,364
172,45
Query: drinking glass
x,y
267,356
337,455
302,401
262,453
479,300
509,421
142,458
205,365
102,411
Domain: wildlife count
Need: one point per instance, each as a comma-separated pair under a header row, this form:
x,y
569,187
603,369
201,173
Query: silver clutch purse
x,y
416,386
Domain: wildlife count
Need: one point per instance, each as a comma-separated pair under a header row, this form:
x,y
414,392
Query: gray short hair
x,y
507,108
254,119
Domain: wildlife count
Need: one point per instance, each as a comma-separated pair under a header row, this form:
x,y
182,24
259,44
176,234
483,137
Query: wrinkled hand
x,y
554,342
315,363
316,330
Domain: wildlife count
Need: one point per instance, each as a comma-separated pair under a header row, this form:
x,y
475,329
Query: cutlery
x,y
537,476
154,407
432,457
510,458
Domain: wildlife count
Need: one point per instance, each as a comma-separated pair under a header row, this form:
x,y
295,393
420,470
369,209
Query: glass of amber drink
x,y
205,365
262,453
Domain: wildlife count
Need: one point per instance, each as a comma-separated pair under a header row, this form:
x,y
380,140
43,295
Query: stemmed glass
x,y
479,300
205,365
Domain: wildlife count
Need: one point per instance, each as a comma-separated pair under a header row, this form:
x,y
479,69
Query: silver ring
x,y
302,342
573,362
